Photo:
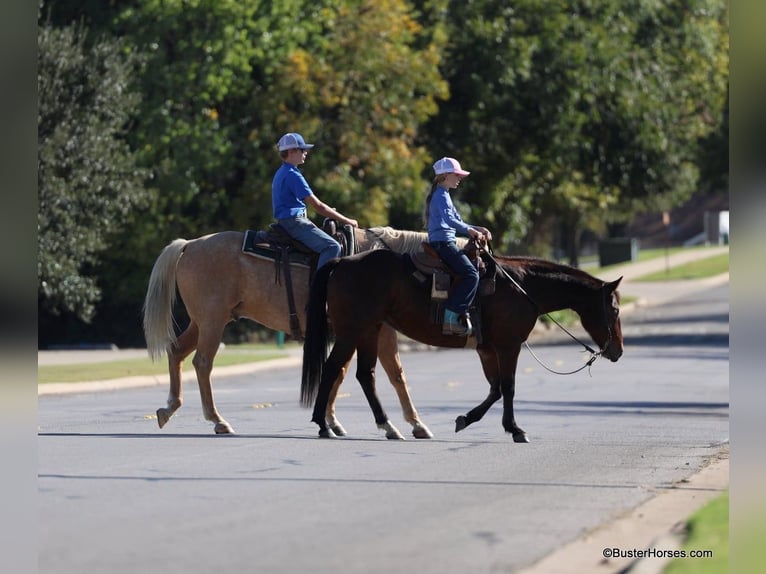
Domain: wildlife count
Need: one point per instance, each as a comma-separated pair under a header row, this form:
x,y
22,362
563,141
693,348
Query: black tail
x,y
315,344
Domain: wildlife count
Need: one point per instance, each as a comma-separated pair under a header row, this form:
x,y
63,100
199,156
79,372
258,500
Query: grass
x,y
707,529
103,371
643,255
707,267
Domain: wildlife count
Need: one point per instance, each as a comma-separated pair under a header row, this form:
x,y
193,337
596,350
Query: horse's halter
x,y
593,354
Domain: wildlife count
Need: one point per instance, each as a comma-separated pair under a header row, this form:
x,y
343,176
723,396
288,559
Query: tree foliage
x,y
581,111
88,182
570,114
363,85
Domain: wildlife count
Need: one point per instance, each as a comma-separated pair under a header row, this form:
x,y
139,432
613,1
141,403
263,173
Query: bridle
x,y
593,354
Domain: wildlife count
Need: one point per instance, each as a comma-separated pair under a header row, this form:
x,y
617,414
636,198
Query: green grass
x,y
643,255
103,371
707,529
707,267
748,532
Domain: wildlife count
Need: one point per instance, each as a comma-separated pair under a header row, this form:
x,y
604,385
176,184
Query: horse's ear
x,y
614,284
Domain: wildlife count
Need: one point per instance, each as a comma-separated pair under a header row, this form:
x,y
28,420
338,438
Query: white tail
x,y
160,298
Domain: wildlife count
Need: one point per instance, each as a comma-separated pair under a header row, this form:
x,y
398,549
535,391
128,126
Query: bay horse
x,y
369,292
218,284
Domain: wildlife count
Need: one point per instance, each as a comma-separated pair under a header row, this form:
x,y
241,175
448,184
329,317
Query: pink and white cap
x,y
449,165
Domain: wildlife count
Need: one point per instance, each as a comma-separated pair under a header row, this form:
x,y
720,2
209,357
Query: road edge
x,y
657,524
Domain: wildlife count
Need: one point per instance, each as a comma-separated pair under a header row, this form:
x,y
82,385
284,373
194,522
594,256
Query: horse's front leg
x,y
491,368
507,363
476,413
207,347
388,355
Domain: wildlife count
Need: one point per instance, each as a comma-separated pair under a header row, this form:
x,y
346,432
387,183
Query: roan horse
x,y
218,284
366,293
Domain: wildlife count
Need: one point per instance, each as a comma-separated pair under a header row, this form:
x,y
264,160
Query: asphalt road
x,y
117,494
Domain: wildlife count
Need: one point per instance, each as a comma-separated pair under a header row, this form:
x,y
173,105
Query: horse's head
x,y
602,321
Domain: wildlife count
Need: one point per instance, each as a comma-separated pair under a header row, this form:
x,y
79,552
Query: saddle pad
x,y
427,264
256,244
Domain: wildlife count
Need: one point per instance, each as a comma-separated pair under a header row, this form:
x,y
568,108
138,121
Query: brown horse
x,y
218,284
368,292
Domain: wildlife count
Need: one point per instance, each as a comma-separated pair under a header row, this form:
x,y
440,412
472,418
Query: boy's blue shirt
x,y
288,190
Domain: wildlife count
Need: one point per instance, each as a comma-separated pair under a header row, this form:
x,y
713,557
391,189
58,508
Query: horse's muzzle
x,y
612,352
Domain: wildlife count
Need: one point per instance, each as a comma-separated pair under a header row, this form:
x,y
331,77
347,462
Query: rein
x,y
593,354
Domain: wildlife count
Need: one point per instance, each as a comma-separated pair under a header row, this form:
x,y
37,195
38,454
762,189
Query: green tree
x,y
201,121
88,182
223,80
578,113
363,85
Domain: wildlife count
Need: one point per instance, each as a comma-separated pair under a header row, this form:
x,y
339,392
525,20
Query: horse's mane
x,y
524,265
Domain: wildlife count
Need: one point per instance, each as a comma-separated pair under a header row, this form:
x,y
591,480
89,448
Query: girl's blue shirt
x,y
444,222
288,190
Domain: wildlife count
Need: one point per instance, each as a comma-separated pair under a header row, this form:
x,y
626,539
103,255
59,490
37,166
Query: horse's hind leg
x,y
366,359
334,367
332,420
177,352
388,355
207,347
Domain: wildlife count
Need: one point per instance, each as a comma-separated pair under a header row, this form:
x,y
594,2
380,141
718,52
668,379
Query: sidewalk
x,y
658,292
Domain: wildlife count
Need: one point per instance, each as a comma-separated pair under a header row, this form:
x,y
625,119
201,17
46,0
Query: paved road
x,y
119,495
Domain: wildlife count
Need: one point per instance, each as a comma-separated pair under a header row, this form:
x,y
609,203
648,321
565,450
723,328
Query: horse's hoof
x,y
392,433
223,428
421,431
326,433
460,423
520,437
163,416
338,430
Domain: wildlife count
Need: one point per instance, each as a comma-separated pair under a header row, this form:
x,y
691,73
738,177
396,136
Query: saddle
x,y
277,245
430,268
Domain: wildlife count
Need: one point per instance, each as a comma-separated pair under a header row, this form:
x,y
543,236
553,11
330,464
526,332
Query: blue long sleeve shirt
x,y
444,222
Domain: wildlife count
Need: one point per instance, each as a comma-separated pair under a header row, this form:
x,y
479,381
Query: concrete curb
x,y
656,525
157,380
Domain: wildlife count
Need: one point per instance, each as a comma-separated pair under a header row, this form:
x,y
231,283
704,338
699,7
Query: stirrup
x,y
455,324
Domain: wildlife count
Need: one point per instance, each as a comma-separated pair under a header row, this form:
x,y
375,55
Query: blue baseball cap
x,y
293,141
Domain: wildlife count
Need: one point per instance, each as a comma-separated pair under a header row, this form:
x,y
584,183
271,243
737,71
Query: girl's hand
x,y
482,232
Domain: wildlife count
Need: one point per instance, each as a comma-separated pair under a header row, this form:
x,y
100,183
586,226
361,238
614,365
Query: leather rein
x,y
593,354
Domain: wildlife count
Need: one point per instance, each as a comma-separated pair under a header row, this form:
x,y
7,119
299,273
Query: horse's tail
x,y
160,298
315,343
